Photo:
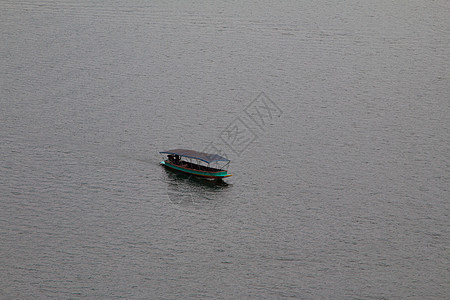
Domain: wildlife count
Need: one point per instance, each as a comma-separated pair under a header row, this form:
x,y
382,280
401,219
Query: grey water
x,y
335,115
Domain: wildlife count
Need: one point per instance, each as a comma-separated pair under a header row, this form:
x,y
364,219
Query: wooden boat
x,y
211,166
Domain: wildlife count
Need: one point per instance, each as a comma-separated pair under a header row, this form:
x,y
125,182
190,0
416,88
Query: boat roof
x,y
206,157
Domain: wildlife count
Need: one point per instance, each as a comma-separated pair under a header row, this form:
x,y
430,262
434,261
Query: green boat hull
x,y
216,175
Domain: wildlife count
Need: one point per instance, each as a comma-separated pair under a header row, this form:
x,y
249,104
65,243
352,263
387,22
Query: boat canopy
x,y
208,158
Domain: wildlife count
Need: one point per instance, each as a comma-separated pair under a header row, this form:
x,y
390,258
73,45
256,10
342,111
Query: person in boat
x,y
177,159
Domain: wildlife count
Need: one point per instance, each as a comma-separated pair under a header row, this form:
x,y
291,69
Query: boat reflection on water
x,y
187,189
181,176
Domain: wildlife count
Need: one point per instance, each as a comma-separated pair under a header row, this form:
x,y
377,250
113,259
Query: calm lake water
x,y
335,115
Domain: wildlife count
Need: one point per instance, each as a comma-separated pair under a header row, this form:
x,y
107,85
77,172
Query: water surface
x,y
342,193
